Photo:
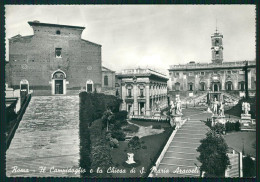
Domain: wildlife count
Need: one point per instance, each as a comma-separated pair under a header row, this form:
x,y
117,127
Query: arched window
x,y
106,80
229,85
202,86
242,86
190,86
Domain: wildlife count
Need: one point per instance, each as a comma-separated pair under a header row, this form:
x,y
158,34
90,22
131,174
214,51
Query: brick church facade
x,y
55,60
218,76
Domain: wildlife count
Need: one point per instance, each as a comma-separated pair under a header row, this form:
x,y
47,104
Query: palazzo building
x,y
218,76
140,90
55,60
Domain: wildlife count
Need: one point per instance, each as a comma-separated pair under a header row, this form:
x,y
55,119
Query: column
x,y
147,104
223,80
249,79
123,91
135,95
208,84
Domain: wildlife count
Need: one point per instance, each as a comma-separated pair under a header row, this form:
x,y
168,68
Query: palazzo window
x,y
141,92
129,92
177,86
58,53
242,86
202,86
191,87
106,80
229,86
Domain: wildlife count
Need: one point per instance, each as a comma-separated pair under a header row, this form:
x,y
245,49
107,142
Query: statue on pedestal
x,y
221,109
130,159
157,106
245,107
215,106
178,105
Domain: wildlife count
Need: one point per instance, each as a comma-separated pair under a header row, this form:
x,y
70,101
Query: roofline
x,y
31,23
120,75
108,69
91,42
26,36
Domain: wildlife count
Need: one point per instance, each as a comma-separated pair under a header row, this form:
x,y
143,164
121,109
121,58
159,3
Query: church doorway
x,y
58,86
89,86
216,87
58,83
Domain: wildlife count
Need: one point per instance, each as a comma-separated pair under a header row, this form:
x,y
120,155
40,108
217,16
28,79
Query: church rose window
x,y
58,52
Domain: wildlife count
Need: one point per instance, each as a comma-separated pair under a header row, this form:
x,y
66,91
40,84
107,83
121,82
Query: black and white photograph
x,y
130,91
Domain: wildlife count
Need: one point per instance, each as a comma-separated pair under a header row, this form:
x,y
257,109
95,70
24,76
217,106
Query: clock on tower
x,y
217,47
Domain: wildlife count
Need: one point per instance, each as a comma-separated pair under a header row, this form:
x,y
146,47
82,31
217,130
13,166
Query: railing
x,y
17,120
210,65
149,118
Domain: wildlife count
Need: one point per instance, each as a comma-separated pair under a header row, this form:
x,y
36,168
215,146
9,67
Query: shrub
x,y
100,151
108,136
117,125
219,128
232,126
144,147
118,134
121,115
114,143
156,127
248,167
134,143
208,122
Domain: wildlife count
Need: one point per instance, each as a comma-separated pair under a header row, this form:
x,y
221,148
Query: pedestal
x,y
157,113
218,119
246,121
245,116
130,159
176,118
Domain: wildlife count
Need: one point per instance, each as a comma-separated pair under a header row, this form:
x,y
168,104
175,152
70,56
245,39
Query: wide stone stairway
x,y
180,158
47,137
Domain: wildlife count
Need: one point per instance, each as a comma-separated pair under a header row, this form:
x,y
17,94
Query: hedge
x,y
100,150
93,105
237,109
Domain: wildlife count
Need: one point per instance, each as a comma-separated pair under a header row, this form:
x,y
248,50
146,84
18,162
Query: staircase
x,y
47,136
180,158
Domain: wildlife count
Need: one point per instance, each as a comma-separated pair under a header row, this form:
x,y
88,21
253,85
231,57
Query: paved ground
x,y
181,154
145,130
47,136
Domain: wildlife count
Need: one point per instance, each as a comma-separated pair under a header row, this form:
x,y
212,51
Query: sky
x,y
154,36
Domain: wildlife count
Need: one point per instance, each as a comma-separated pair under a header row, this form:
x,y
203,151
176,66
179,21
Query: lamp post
x,y
243,149
246,79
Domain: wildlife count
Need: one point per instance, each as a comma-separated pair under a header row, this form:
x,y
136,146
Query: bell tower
x,y
217,47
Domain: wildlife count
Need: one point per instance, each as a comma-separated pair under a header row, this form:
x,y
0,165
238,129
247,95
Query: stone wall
x,y
33,58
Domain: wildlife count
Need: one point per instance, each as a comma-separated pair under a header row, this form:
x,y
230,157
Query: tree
x,y
107,117
213,155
